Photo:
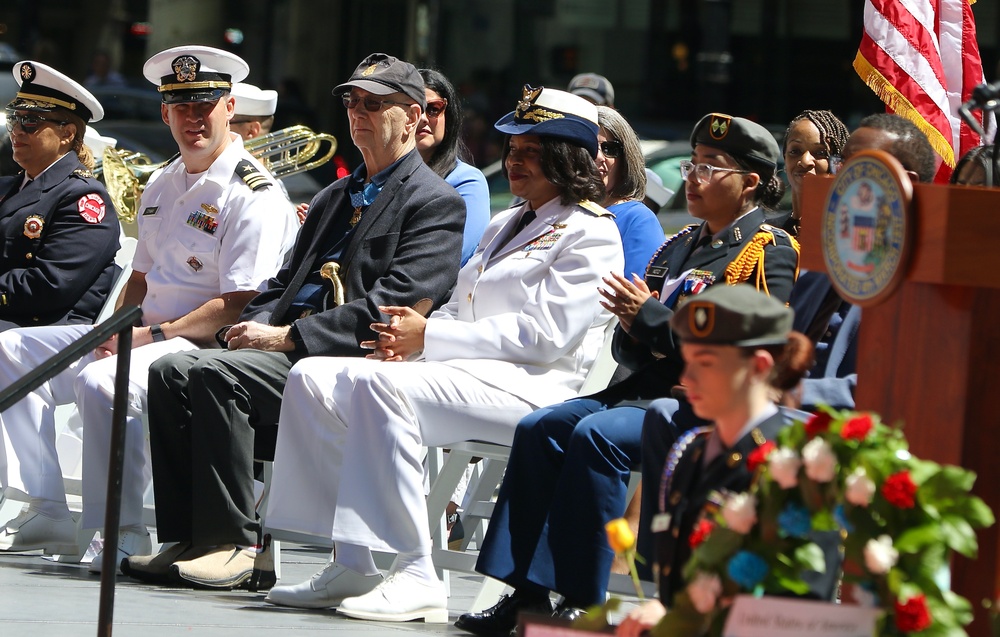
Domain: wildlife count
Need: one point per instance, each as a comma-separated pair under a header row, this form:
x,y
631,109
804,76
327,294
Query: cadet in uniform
x,y
212,229
570,463
59,229
736,343
523,326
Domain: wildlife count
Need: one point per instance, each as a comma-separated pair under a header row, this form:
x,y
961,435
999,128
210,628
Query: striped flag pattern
x,y
922,59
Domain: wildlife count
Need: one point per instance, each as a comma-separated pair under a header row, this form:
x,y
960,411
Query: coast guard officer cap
x,y
382,74
253,101
741,138
736,315
44,89
549,112
194,73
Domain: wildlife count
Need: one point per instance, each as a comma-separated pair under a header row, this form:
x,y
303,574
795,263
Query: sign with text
x,y
784,617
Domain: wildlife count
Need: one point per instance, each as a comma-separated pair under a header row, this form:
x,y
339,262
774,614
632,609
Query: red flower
x,y
700,533
818,423
912,617
899,490
857,428
759,455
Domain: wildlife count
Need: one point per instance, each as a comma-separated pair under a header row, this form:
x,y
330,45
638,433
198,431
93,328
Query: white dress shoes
x,y
133,540
400,598
31,531
325,589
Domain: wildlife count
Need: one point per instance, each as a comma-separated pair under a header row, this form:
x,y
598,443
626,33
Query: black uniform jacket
x,y
684,494
60,235
407,246
651,350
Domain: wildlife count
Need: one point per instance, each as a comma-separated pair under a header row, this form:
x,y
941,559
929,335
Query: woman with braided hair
x,y
812,145
570,463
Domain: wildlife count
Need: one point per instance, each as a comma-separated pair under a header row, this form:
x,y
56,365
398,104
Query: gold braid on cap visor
x,y
535,113
187,86
44,101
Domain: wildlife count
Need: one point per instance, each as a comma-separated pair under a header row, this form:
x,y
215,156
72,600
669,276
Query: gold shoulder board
x,y
252,177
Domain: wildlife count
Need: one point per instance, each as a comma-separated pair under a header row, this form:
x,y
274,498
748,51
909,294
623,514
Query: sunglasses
x,y
703,173
436,108
372,105
612,149
29,123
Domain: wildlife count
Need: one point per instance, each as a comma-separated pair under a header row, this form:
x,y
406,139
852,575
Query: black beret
x,y
739,137
733,315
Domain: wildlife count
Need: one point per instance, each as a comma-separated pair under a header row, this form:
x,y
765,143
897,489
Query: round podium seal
x,y
867,227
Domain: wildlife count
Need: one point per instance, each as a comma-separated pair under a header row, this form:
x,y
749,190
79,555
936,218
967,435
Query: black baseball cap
x,y
383,74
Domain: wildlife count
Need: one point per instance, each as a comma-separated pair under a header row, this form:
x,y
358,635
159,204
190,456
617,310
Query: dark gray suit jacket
x,y
407,246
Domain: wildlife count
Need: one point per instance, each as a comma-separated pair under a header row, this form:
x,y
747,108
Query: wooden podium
x,y
929,354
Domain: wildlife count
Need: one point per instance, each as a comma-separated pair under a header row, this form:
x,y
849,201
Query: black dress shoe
x,y
567,612
500,619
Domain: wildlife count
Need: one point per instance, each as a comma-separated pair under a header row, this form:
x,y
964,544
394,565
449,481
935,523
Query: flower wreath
x,y
838,472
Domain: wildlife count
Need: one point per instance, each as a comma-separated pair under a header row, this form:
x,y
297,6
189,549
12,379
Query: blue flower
x,y
841,517
747,569
795,520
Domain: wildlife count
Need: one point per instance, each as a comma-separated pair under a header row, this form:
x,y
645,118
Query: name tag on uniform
x,y
661,522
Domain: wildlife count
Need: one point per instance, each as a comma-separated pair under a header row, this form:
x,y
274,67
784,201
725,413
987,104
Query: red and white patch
x,y
91,208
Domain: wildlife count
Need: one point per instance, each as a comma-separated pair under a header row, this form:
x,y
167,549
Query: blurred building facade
x,y
669,60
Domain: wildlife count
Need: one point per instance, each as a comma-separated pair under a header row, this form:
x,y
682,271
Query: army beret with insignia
x,y
736,315
741,138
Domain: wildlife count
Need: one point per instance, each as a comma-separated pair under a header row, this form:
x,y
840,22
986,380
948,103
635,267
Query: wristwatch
x,y
157,332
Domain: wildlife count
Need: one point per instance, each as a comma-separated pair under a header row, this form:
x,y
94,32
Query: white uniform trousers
x,y
28,459
363,484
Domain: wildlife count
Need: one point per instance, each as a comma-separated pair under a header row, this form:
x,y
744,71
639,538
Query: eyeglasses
x,y
372,105
29,123
436,108
703,173
612,149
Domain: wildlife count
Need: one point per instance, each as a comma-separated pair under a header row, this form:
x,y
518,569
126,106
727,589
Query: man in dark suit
x,y
395,229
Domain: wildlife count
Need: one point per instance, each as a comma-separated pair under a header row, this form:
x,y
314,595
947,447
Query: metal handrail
x,y
120,323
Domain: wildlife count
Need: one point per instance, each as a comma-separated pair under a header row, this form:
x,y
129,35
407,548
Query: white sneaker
x,y
31,531
133,540
325,589
400,598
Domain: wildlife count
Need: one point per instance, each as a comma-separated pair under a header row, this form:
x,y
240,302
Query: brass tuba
x,y
288,151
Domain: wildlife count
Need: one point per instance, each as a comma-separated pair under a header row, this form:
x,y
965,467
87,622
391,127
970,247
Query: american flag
x,y
922,59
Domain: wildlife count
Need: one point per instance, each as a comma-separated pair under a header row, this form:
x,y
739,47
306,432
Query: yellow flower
x,y
620,535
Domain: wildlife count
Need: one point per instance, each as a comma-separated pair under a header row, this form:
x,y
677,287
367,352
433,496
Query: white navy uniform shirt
x,y
219,236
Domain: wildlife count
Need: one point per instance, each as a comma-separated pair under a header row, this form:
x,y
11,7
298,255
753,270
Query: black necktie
x,y
526,218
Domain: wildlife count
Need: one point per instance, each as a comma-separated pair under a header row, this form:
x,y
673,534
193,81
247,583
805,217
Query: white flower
x,y
859,488
880,555
784,464
820,461
704,591
740,512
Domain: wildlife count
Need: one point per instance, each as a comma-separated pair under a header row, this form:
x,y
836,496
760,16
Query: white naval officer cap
x,y
97,142
253,101
44,89
194,73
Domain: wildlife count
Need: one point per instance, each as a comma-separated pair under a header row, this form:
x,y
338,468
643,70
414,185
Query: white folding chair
x,y
445,472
